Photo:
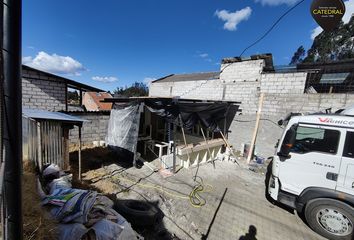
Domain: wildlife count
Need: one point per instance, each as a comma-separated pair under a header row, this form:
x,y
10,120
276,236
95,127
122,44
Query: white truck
x,y
313,171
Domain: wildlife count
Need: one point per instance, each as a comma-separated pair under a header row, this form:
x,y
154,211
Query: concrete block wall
x,y
244,82
202,89
42,92
93,130
283,83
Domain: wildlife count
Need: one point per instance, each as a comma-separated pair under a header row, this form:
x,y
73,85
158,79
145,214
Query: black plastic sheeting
x,y
192,113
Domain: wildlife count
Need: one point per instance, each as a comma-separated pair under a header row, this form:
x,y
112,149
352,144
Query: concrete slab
x,y
243,205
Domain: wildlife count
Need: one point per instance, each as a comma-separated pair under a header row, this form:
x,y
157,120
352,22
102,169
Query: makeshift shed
x,y
46,137
167,125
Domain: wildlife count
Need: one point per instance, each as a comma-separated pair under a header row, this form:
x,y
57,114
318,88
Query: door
x,y
314,159
346,174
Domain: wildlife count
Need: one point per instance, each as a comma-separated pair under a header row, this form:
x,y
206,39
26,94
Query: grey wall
x,y
42,92
244,82
93,130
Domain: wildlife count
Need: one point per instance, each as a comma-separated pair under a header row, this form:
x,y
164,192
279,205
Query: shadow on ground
x,y
98,157
251,235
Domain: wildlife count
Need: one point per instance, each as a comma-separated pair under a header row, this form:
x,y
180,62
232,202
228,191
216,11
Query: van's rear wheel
x,y
330,218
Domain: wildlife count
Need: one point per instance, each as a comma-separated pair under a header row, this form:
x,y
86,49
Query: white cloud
x,y
205,57
277,2
349,5
316,32
54,63
232,19
105,79
148,80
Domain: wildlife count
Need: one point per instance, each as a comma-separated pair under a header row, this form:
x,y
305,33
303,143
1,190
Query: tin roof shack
x,y
177,131
46,137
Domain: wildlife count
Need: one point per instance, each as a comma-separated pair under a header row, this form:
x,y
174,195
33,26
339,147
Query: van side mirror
x,y
288,142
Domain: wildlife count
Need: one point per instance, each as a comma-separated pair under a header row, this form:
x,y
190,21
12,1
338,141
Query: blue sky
x,y
111,43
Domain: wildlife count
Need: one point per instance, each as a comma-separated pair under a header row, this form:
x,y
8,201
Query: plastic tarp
x,y
82,212
123,128
208,114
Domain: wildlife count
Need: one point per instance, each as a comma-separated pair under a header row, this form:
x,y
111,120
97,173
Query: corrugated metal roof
x,y
190,77
46,115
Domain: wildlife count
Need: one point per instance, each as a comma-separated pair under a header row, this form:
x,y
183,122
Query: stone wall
x,y
42,92
93,130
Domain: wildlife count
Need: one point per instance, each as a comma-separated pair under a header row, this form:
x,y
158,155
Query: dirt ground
x,y
235,205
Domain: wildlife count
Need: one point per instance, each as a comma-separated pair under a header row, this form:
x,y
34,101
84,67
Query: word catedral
x,y
328,12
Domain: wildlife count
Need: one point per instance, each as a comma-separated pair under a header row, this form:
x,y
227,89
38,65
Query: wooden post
x,y
229,146
80,102
79,152
39,146
174,147
206,141
331,89
254,137
66,148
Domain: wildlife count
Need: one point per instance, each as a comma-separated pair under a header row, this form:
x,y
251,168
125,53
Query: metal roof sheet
x,y
46,115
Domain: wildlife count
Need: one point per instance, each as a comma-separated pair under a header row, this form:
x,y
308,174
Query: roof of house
x,y
97,97
70,83
189,77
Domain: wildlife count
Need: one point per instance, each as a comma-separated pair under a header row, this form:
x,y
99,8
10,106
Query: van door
x,y
314,159
346,173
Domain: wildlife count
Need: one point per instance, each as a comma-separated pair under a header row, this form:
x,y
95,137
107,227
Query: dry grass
x,y
37,223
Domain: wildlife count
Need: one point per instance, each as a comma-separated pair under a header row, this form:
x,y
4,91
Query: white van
x,y
313,172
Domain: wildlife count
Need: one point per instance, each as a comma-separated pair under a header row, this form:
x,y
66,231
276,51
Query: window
x,y
349,145
316,140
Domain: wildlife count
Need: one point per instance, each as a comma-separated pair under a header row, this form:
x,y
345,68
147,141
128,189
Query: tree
x,y
137,89
298,56
333,46
73,97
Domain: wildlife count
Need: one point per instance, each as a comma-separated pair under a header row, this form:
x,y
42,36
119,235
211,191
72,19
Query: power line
x,y
254,43
272,27
267,32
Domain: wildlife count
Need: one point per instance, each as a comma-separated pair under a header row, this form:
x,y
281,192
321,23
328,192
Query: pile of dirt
x,y
37,223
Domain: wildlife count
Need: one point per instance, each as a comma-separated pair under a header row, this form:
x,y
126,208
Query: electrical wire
x,y
272,27
267,32
194,197
262,119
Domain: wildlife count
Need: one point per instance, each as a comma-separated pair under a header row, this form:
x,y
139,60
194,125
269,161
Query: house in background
x,y
92,101
46,91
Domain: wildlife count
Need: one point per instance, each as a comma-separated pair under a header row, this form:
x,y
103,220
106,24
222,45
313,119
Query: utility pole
x,y
11,113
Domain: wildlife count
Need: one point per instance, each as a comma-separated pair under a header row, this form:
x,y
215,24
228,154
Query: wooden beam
x,y
254,136
79,152
39,146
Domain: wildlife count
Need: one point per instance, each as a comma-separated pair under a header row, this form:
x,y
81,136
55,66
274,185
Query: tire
x,y
138,213
330,218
